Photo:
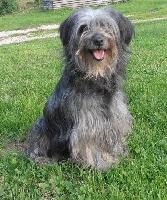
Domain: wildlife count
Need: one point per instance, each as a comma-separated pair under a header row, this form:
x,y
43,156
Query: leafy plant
x,y
8,6
37,2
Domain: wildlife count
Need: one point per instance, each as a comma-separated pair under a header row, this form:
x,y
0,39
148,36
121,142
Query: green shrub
x,y
38,2
8,6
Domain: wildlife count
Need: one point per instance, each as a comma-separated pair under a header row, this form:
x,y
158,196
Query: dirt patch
x,y
20,147
17,145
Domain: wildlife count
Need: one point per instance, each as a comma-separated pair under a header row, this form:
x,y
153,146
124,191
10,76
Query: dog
x,y
86,118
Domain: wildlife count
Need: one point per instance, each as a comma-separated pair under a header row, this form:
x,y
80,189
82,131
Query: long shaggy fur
x,y
86,118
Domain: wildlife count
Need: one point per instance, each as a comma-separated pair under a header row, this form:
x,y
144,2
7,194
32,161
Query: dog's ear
x,y
126,28
65,30
68,26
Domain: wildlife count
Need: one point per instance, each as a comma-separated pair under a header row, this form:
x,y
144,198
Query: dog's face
x,y
95,38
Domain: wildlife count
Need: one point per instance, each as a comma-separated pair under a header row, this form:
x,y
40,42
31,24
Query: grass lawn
x,y
30,71
135,9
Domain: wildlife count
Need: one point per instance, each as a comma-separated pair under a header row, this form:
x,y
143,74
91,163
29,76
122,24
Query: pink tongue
x,y
99,54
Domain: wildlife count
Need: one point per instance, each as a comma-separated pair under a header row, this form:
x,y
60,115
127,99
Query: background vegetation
x,y
29,73
8,6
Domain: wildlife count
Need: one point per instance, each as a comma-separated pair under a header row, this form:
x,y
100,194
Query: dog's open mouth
x,y
98,54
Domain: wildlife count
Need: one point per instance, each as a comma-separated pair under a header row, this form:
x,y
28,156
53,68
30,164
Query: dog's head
x,y
96,39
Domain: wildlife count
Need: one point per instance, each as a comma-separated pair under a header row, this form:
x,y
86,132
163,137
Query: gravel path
x,y
17,36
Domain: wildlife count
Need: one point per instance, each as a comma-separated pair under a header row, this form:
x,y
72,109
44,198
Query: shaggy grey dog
x,y
86,118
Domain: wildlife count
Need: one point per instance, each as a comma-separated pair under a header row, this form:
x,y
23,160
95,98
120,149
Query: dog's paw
x,y
43,160
34,154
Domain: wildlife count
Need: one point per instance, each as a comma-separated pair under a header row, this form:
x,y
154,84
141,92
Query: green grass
x,y
143,9
30,71
24,67
32,18
137,8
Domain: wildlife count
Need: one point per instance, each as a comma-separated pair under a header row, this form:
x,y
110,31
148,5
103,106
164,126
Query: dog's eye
x,y
82,28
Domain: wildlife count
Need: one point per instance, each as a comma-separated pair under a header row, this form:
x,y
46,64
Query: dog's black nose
x,y
98,39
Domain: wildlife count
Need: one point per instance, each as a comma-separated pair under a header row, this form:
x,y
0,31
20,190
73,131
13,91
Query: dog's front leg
x,y
90,152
